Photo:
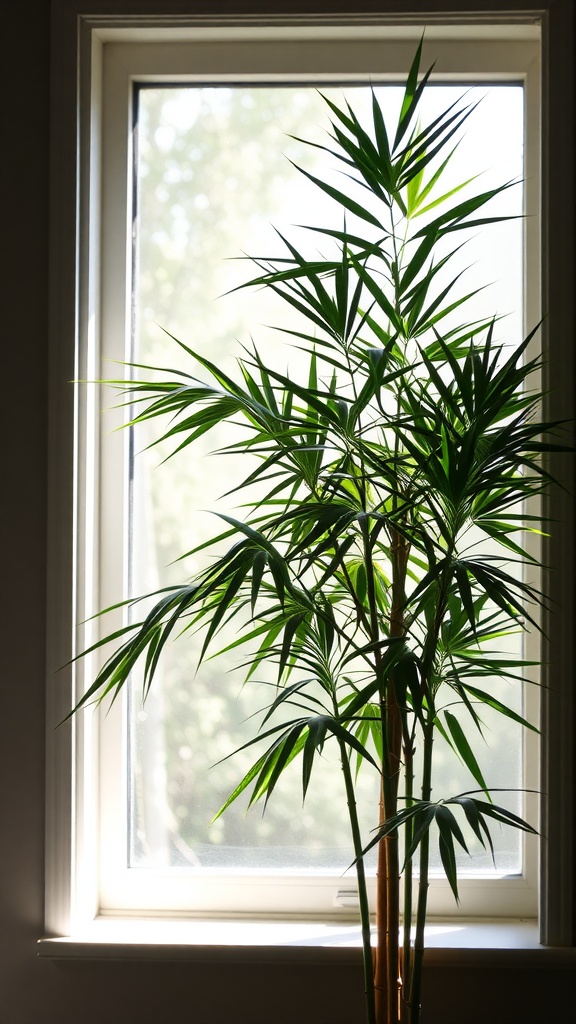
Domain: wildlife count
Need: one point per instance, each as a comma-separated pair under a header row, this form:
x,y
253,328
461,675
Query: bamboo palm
x,y
352,574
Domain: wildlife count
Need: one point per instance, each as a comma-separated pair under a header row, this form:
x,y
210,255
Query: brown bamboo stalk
x,y
393,930
388,881
387,930
406,956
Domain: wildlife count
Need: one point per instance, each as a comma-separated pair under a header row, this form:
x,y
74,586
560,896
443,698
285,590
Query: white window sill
x,y
454,941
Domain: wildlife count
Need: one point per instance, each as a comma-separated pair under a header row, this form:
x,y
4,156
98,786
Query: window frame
x,y
62,893
217,59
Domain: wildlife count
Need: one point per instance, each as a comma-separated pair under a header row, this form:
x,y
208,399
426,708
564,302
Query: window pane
x,y
213,181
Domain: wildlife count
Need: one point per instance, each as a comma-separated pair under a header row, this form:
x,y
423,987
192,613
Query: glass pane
x,y
214,180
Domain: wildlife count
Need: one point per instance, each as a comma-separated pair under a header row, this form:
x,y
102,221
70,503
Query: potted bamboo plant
x,y
355,574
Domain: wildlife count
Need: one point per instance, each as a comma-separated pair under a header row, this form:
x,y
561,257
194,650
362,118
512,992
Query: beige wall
x,y
49,992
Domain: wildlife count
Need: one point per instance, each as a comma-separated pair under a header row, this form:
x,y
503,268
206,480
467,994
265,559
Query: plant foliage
x,y
356,570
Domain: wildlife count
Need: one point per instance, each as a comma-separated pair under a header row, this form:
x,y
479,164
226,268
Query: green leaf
x,y
446,827
502,709
317,728
344,200
457,216
447,195
412,95
464,750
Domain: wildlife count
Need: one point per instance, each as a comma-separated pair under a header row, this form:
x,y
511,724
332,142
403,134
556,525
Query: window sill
x,y
452,942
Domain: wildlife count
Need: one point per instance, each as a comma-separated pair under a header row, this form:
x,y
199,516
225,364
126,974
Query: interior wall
x,y
56,992
24,70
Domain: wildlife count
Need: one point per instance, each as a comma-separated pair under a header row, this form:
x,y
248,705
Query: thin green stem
x,y
428,660
416,986
362,887
408,883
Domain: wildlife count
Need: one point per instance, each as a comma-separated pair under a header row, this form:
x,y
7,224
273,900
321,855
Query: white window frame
x,y
75,888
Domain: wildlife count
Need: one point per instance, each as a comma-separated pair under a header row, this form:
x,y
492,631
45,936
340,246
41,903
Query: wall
x,y
52,992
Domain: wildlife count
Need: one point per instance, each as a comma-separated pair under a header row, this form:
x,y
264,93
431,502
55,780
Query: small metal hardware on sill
x,y
346,898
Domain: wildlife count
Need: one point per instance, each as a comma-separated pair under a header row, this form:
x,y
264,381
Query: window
x,y
212,175
124,63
